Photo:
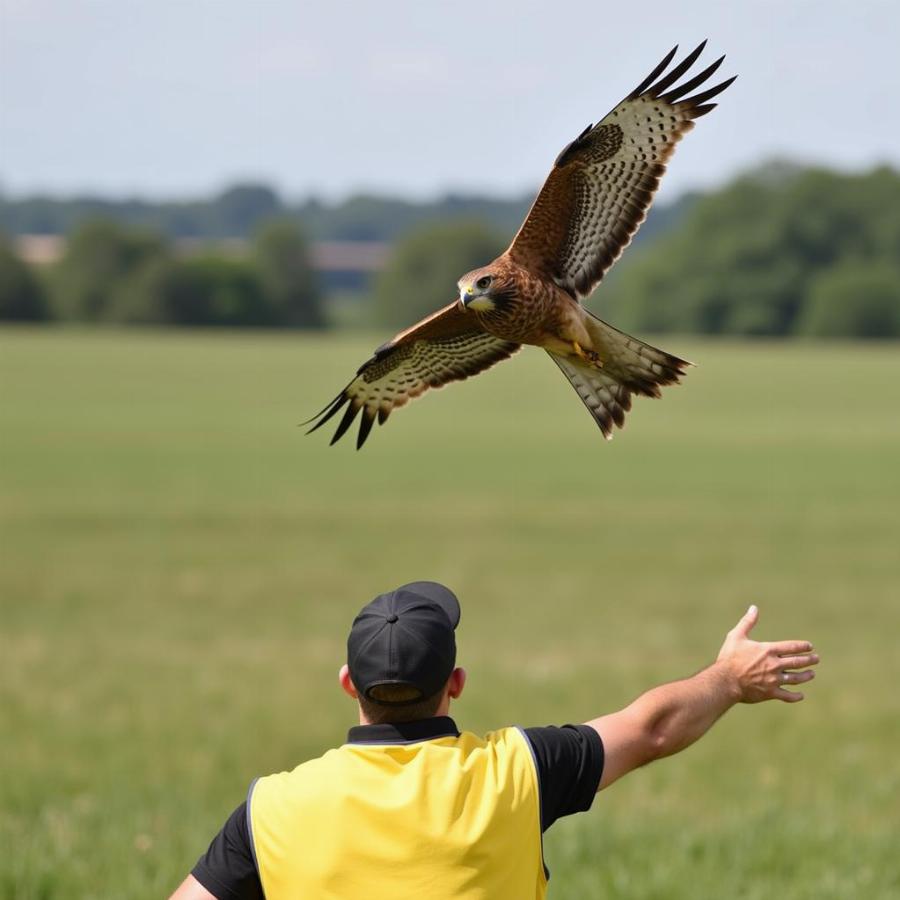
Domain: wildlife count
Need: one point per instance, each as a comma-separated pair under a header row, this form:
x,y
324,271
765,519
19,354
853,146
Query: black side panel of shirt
x,y
569,763
227,869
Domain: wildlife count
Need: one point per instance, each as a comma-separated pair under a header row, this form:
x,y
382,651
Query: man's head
x,y
401,654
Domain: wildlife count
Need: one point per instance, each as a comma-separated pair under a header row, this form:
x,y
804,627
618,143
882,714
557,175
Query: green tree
x,y
201,291
100,256
281,253
239,209
214,290
745,258
149,294
854,299
21,294
424,268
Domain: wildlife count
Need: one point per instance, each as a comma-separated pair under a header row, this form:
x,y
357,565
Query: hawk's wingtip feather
x,y
671,77
349,415
657,71
701,98
365,426
328,410
689,85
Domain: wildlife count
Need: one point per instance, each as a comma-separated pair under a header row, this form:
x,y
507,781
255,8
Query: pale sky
x,y
168,98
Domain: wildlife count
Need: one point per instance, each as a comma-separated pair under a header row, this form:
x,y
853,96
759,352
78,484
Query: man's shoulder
x,y
503,734
307,772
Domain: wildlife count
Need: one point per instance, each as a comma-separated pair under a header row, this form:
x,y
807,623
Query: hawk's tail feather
x,y
629,366
606,399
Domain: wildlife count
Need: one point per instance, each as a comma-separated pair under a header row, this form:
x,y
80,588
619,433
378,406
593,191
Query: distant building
x,y
342,265
348,265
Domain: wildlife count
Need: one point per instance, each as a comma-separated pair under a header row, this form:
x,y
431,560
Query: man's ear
x,y
346,682
456,683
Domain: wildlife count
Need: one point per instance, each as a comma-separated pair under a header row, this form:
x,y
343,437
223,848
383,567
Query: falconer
x,y
411,806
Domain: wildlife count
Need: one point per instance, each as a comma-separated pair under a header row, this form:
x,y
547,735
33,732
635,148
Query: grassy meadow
x,y
180,565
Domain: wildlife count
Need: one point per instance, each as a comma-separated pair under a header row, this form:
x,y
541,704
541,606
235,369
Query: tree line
x,y
240,210
780,251
130,275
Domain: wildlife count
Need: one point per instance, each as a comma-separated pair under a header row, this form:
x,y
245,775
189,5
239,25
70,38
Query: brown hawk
x,y
587,212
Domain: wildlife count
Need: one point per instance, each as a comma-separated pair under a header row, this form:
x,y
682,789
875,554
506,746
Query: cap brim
x,y
439,595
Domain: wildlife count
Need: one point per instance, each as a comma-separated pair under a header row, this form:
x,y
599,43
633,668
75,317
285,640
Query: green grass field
x,y
180,565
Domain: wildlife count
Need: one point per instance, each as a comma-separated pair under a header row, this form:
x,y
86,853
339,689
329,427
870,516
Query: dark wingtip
x,y
671,77
365,426
657,71
349,415
682,89
699,100
325,414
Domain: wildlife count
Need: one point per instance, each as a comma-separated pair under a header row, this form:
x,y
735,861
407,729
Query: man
x,y
411,807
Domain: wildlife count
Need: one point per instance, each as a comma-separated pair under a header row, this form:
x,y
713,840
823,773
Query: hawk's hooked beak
x,y
466,292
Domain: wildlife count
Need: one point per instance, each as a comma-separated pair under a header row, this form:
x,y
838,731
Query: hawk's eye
x,y
483,283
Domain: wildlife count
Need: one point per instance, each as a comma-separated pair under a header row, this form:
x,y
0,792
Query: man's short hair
x,y
396,707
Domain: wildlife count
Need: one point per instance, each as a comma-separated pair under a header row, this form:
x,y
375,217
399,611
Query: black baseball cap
x,y
405,637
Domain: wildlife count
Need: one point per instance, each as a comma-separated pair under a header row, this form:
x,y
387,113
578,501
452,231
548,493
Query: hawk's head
x,y
483,290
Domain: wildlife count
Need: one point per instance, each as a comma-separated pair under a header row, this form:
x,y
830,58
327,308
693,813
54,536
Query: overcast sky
x,y
180,97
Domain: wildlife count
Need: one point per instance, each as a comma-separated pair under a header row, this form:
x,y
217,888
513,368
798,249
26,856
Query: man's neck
x,y
442,710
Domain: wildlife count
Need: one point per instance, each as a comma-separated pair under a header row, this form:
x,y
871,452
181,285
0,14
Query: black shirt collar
x,y
403,732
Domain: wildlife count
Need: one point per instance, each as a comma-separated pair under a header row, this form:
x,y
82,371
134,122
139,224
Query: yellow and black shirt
x,y
416,809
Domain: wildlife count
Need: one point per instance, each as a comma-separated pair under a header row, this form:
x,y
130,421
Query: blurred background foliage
x,y
422,273
21,294
782,250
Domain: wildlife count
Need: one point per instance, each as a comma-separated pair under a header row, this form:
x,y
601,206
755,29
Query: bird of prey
x,y
586,213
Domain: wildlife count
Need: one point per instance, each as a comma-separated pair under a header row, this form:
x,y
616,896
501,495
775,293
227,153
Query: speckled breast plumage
x,y
527,312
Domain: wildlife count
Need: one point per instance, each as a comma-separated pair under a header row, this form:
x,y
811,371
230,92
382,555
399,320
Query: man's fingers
x,y
787,696
798,662
745,626
797,677
789,648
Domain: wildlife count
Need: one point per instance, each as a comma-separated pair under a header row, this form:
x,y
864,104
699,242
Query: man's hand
x,y
760,671
672,716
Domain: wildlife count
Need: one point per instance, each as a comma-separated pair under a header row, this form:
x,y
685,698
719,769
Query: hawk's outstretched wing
x,y
447,346
603,183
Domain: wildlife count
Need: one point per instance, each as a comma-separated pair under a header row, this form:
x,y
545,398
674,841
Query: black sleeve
x,y
569,763
227,869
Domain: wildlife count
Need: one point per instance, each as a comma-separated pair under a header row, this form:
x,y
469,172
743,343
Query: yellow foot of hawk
x,y
587,355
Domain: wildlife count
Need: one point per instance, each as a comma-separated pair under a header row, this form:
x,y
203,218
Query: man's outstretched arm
x,y
672,716
191,889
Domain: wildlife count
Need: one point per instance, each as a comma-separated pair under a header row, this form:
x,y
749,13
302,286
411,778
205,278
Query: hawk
x,y
588,210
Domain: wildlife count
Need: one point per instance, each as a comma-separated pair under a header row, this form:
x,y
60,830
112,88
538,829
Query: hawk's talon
x,y
590,356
